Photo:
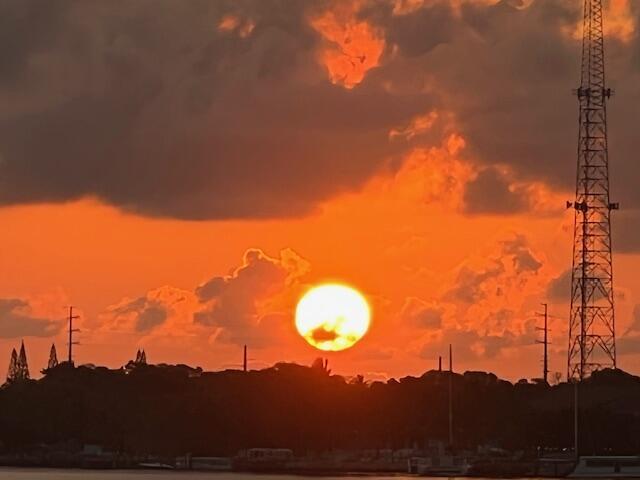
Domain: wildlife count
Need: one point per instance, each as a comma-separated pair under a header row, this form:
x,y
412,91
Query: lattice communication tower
x,y
592,338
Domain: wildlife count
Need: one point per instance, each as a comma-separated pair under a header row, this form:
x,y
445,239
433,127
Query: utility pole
x,y
72,330
545,342
592,337
450,396
576,419
244,359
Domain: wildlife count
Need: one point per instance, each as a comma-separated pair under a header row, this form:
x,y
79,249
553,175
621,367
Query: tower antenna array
x,y
592,339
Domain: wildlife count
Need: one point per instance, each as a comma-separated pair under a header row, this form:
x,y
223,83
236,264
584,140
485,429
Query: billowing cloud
x,y
147,314
18,320
244,304
488,291
252,304
485,308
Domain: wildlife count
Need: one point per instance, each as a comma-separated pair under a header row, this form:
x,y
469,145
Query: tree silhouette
x,y
23,366
53,357
173,409
322,365
12,373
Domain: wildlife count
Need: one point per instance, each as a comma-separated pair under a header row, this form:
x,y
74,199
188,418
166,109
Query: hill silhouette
x,y
171,410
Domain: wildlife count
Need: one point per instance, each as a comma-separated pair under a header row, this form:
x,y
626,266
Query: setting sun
x,y
332,317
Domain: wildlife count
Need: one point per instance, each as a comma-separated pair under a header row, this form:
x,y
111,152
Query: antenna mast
x,y
592,340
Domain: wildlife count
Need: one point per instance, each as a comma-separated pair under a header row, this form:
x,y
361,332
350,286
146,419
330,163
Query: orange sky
x,y
402,251
434,271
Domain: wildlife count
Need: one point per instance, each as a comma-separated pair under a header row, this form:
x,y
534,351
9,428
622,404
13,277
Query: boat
x,y
607,467
156,466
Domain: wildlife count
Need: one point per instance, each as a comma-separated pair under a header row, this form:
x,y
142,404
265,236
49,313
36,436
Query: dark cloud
x,y
16,320
150,107
418,32
148,312
321,334
489,193
507,74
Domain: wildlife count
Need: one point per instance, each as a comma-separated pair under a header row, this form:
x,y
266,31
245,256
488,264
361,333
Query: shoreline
x,y
279,472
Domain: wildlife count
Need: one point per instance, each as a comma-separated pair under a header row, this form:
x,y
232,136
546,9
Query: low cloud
x,y
511,266
421,314
244,304
148,313
18,320
485,307
252,304
145,314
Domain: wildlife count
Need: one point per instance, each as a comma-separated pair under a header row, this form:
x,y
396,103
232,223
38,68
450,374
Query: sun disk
x,y
332,317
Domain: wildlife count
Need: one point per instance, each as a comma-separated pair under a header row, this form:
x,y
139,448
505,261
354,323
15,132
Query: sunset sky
x,y
183,171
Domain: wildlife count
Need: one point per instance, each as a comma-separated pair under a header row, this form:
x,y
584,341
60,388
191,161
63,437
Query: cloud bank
x,y
264,108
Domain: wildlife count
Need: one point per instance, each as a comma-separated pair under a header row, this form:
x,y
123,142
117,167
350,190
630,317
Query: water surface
x,y
77,474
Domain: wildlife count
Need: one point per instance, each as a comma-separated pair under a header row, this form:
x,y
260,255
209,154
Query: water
x,y
61,474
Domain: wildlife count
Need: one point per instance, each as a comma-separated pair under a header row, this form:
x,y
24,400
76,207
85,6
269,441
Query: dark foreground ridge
x,y
174,410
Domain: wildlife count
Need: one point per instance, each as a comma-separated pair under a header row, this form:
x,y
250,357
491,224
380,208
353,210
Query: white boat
x,y
607,467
